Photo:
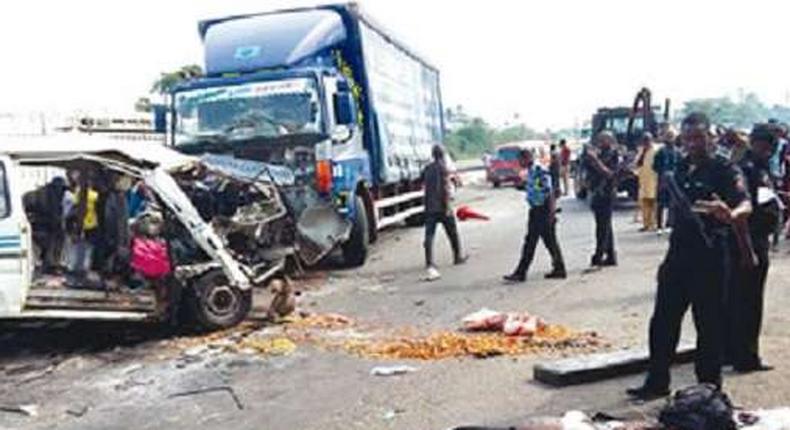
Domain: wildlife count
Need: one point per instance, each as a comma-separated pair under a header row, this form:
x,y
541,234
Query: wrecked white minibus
x,y
202,238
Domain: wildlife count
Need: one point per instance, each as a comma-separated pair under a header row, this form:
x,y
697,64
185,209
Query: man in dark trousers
x,y
710,196
666,160
541,198
44,208
602,163
745,298
439,210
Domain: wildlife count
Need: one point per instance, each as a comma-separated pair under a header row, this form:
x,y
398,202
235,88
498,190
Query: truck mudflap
x,y
319,230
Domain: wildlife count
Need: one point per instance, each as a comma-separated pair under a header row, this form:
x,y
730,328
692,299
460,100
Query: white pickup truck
x,y
211,283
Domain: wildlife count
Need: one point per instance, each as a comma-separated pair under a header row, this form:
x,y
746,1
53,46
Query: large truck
x,y
329,94
627,124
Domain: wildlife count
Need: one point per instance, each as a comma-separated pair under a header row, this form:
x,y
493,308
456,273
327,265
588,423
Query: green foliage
x,y
470,137
741,114
167,80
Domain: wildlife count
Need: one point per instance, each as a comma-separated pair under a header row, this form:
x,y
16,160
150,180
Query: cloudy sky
x,y
551,62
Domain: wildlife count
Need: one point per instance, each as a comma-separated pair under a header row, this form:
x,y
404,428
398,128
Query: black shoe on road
x,y
595,261
515,277
758,367
556,274
461,260
647,393
609,263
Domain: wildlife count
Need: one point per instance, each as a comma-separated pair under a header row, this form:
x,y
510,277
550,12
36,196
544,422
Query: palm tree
x,y
167,80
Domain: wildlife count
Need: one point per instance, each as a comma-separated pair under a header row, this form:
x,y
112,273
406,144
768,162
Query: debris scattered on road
x,y
481,345
226,388
392,370
512,324
271,346
325,321
28,410
77,411
765,419
392,413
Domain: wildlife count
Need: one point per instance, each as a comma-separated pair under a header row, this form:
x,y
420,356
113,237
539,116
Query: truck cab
x,y
295,88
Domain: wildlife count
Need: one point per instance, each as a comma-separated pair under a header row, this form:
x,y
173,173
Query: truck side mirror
x,y
345,109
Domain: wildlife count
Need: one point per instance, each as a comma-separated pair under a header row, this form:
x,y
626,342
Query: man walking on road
x,y
541,223
602,164
439,210
710,196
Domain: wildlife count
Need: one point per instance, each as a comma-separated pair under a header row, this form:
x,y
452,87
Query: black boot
x,y
610,260
515,277
557,273
647,392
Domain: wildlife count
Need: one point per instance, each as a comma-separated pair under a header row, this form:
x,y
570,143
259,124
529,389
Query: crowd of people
x,y
721,192
81,224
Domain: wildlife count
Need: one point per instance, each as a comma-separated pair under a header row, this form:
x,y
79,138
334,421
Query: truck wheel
x,y
355,249
214,304
497,184
417,220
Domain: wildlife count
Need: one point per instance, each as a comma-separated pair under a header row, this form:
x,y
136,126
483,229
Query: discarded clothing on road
x,y
511,324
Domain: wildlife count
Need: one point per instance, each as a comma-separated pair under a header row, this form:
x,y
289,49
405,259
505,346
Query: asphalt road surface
x,y
83,376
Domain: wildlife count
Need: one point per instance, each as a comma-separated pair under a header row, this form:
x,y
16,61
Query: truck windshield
x,y
620,124
257,109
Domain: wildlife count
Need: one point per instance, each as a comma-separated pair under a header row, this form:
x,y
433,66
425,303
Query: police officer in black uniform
x,y
745,298
694,269
602,164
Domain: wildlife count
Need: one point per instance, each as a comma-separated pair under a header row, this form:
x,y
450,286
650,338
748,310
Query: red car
x,y
505,167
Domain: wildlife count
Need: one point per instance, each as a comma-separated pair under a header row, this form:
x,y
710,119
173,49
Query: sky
x,y
552,63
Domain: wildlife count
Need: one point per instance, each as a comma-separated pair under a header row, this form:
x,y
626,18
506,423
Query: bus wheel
x,y
214,304
355,249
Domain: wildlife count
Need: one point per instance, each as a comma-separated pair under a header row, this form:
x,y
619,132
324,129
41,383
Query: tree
x,y
143,104
744,113
167,80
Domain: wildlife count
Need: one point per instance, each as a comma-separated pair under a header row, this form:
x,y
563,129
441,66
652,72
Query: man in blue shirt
x,y
541,224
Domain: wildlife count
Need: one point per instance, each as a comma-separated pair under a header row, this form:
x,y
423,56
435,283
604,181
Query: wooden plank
x,y
597,367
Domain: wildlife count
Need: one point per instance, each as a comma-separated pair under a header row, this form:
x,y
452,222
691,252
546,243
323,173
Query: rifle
x,y
684,207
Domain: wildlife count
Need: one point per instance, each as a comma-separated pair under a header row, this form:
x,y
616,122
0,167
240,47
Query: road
x,y
88,377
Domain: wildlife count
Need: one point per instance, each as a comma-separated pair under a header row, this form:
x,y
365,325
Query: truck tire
x,y
214,304
497,184
417,220
355,249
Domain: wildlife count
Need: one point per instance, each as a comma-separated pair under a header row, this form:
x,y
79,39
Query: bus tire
x,y
355,249
214,304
